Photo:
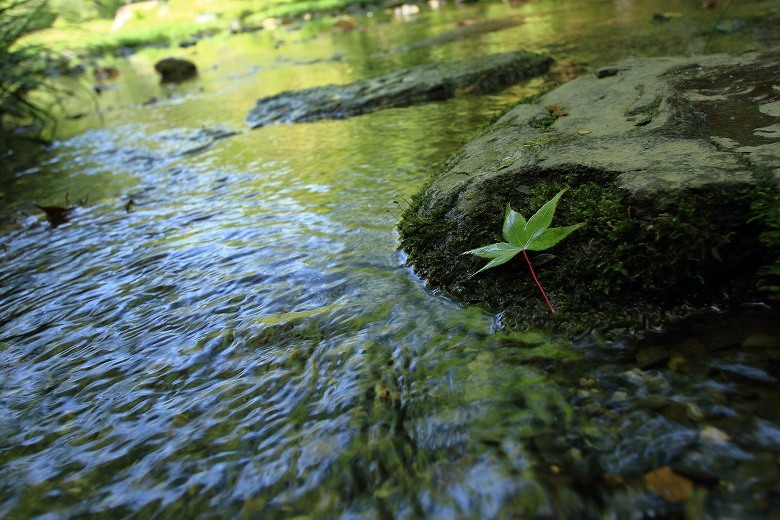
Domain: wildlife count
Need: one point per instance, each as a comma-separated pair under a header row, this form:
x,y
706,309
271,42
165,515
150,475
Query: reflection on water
x,y
243,340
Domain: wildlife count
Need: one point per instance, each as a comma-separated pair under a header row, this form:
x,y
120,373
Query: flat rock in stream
x,y
431,82
674,164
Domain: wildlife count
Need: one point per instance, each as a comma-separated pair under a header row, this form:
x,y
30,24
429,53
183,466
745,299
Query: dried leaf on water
x,y
57,215
669,485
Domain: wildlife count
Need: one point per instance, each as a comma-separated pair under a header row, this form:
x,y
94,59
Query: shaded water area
x,y
227,329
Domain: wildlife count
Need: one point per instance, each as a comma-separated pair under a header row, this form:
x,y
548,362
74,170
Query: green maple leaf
x,y
534,234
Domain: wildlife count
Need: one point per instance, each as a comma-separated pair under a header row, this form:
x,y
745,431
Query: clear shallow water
x,y
245,341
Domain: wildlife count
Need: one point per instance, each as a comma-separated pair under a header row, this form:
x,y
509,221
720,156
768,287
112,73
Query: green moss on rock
x,y
624,253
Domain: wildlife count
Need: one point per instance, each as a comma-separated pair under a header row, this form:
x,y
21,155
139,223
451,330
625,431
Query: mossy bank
x,y
672,162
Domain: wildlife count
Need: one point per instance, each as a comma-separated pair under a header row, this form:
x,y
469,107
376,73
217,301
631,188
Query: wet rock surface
x,y
175,70
436,81
665,159
683,435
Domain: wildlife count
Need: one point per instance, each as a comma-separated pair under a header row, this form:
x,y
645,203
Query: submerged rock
x,y
435,81
664,158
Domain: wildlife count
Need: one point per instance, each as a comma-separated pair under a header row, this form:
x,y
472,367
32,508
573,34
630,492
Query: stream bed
x,y
226,328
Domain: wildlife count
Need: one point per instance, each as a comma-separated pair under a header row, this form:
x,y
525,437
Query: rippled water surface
x,y
226,327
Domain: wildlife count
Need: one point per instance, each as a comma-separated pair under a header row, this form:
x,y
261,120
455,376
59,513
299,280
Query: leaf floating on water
x,y
57,215
669,485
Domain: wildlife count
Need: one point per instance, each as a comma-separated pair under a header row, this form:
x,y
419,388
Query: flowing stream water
x,y
227,329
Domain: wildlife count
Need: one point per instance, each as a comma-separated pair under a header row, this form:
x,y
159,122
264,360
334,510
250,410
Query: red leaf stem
x,y
531,267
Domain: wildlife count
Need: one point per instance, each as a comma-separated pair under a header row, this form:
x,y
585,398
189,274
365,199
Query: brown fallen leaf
x,y
669,485
57,215
558,111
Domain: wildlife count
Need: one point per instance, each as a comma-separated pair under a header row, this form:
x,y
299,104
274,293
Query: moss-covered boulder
x,y
672,162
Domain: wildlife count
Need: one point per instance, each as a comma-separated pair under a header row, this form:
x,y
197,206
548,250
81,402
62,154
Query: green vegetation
x,y
293,8
635,249
89,24
521,235
74,11
24,68
35,33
